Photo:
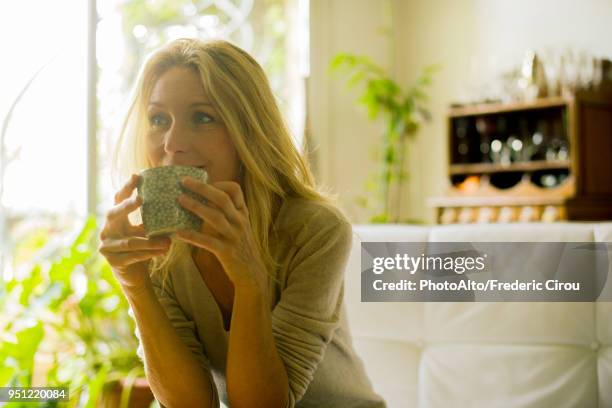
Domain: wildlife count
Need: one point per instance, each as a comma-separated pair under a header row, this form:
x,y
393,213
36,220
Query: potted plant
x,y
66,324
403,113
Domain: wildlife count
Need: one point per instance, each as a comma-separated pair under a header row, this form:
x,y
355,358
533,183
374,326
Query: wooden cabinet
x,y
545,160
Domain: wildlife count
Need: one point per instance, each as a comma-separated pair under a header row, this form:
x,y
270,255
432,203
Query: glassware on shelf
x,y
529,145
585,70
496,150
485,128
568,73
571,70
463,147
549,72
562,176
551,61
551,153
463,150
563,152
557,148
548,180
580,71
515,148
532,81
511,91
534,148
505,153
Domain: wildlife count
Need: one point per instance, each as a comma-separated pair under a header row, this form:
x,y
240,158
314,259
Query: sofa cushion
x,y
501,375
484,354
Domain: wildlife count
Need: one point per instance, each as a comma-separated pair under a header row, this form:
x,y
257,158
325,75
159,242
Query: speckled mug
x,y
159,188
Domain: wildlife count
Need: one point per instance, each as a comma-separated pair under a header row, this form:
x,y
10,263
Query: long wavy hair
x,y
273,168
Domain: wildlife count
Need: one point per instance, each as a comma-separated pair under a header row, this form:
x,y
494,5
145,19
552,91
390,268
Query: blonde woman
x,y
249,310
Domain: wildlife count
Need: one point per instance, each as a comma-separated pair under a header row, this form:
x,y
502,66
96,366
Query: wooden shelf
x,y
487,168
584,119
495,201
493,108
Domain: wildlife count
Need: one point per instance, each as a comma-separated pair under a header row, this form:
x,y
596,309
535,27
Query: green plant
x,y
66,323
403,113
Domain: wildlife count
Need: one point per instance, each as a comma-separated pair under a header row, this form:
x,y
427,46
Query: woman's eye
x,y
157,120
201,117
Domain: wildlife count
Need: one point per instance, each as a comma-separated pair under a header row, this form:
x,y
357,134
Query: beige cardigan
x,y
309,323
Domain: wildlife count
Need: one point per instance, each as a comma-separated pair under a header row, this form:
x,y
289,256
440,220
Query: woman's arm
x,y
273,356
174,372
256,375
175,377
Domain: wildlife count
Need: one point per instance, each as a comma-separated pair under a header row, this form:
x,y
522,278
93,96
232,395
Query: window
x,y
43,150
42,114
273,31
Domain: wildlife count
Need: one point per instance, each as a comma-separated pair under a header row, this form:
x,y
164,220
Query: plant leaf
x,y
95,386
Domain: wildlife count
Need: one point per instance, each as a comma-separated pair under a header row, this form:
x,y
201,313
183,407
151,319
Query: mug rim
x,y
159,168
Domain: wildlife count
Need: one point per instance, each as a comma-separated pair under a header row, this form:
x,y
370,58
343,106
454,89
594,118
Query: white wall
x,y
341,131
449,32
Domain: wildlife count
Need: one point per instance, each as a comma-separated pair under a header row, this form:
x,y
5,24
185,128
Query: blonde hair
x,y
274,170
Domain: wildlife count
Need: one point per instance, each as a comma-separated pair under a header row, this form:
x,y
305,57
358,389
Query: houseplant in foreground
x,y
66,322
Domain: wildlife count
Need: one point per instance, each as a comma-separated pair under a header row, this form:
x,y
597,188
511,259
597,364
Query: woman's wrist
x,y
134,291
251,288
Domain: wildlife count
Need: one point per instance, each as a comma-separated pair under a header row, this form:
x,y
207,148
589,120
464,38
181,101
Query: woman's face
x,y
185,128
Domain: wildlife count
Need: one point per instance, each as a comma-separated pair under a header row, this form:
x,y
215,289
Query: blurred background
x,y
368,88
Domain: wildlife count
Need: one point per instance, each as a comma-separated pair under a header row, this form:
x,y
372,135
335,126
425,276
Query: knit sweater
x,y
311,242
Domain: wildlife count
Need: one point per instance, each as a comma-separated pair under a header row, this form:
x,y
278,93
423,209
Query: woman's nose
x,y
176,140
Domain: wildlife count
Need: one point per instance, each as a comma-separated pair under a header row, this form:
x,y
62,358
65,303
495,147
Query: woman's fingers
x,y
126,190
120,211
116,219
198,239
127,244
117,222
213,217
124,259
136,230
234,191
216,196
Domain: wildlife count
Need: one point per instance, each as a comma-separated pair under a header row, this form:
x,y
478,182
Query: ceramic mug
x,y
159,188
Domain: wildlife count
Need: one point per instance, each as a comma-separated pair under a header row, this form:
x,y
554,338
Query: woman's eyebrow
x,y
155,103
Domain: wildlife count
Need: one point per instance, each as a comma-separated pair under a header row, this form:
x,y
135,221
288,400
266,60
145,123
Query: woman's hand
x,y
124,245
226,230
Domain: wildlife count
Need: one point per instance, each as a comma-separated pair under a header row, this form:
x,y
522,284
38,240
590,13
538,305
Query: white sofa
x,y
444,355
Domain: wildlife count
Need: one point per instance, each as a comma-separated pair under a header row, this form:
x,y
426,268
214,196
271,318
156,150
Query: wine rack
x,y
545,160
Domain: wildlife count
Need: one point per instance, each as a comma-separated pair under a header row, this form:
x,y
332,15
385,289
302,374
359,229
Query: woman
x,y
248,310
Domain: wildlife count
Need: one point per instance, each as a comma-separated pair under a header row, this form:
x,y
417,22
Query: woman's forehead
x,y
178,85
